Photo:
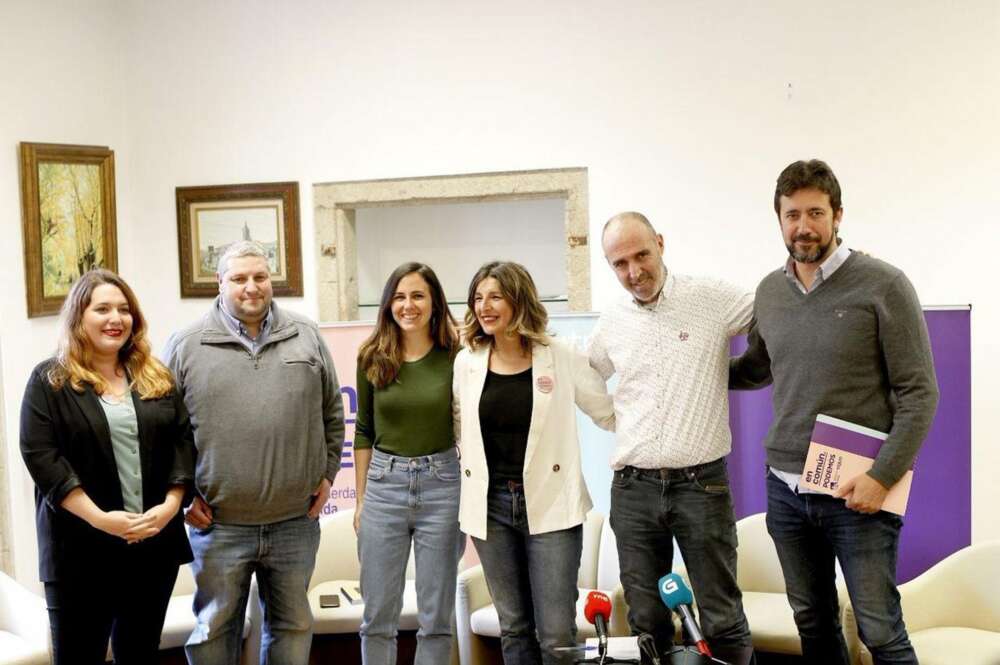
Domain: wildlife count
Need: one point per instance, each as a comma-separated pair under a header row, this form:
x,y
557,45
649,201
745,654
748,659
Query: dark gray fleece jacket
x,y
267,427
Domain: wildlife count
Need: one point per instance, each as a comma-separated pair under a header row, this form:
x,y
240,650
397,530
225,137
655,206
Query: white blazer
x,y
554,490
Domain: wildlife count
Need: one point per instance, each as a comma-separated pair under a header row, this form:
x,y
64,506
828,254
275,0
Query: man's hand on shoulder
x,y
320,497
863,494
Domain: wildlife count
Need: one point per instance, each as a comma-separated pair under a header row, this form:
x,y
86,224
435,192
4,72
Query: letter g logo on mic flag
x,y
677,596
673,591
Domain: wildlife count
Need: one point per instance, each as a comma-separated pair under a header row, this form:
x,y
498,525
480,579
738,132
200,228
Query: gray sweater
x,y
267,427
854,348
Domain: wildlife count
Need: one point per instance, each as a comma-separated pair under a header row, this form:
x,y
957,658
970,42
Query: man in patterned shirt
x,y
668,342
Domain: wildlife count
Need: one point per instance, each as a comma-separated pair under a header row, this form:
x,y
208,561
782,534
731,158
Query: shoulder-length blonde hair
x,y
529,318
74,356
381,355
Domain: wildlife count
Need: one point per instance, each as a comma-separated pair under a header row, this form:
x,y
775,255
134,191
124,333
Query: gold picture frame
x,y
68,216
211,217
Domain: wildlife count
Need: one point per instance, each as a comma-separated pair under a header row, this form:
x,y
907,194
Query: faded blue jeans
x,y
649,508
532,578
409,499
282,555
809,530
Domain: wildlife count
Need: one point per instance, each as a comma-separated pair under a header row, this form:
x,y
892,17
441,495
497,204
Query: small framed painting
x,y
211,218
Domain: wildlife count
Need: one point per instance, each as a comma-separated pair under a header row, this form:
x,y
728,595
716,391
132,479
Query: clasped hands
x,y
136,527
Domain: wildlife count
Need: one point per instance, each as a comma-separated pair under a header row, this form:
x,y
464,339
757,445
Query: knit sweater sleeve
x,y
364,423
909,363
752,369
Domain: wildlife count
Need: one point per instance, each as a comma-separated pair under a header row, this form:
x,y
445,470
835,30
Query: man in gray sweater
x,y
268,423
842,334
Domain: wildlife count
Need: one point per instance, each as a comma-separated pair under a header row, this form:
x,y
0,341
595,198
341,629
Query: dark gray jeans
x,y
649,508
532,578
809,530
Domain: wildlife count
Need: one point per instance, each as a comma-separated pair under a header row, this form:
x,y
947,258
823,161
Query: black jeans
x,y
809,530
649,508
127,604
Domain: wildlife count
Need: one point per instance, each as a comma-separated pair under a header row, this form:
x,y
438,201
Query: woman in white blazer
x,y
523,496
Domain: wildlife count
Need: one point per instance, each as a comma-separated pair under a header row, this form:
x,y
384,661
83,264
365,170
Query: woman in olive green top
x,y
406,467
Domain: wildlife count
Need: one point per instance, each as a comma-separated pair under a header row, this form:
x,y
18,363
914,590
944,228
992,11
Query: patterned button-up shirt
x,y
672,362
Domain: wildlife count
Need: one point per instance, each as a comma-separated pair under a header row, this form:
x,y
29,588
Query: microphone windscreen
x,y
598,603
674,592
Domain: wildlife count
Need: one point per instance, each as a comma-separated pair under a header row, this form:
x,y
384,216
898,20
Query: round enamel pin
x,y
545,384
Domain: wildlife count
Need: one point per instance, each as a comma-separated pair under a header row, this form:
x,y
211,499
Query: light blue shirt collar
x,y
825,271
237,327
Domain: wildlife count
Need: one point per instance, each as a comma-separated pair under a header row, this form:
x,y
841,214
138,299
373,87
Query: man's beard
x,y
809,257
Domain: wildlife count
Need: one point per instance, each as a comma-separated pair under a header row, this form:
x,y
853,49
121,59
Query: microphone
x,y
647,646
675,595
598,612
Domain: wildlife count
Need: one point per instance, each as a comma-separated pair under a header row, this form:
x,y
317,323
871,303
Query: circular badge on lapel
x,y
545,384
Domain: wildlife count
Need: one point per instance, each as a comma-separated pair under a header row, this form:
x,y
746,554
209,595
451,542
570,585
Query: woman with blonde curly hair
x,y
107,440
524,498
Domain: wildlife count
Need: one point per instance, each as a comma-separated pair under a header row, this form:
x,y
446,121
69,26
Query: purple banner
x,y
938,518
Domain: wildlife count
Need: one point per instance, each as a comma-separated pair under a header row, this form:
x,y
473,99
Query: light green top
x,y
125,443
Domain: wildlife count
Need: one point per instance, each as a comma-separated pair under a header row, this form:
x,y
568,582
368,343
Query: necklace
x,y
111,397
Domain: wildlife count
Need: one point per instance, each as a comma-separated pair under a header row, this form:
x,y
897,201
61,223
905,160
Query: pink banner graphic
x,y
343,341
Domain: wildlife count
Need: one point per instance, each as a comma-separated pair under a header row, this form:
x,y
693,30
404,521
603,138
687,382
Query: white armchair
x,y
179,620
24,625
337,566
477,619
952,611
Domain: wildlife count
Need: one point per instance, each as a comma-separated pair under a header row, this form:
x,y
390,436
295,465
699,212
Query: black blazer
x,y
66,443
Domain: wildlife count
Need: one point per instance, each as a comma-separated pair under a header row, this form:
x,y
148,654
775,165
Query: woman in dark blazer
x,y
108,443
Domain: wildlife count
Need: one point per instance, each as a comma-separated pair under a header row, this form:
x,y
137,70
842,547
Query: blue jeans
x,y
649,508
282,555
409,498
809,530
532,578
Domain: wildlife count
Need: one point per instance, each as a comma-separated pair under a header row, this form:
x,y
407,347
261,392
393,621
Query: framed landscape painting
x,y
211,218
68,216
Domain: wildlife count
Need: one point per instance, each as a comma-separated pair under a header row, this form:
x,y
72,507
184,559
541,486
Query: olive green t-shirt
x,y
412,415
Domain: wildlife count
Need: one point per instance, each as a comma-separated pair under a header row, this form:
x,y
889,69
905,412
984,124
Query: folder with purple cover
x,y
840,450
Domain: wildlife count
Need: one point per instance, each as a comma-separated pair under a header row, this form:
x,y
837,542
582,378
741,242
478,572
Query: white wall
x,y
685,112
61,74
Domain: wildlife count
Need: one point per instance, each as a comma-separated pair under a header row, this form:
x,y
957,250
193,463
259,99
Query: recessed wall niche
x,y
502,211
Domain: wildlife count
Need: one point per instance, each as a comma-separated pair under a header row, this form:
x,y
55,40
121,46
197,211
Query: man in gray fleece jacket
x,y
841,334
268,423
